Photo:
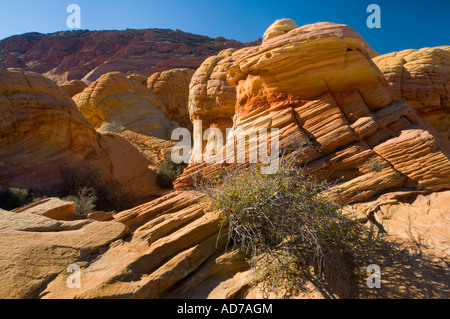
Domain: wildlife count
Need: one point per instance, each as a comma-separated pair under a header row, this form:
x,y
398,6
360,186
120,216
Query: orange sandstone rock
x,y
421,77
42,132
318,85
53,208
116,104
73,87
172,88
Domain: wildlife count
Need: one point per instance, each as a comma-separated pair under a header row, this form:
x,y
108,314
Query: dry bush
x,y
110,195
290,231
373,165
84,201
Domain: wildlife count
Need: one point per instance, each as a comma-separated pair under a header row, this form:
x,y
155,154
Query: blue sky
x,y
404,24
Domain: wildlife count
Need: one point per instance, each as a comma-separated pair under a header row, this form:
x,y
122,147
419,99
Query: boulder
x,y
116,104
318,85
35,249
172,88
53,208
73,87
279,27
44,135
421,77
42,131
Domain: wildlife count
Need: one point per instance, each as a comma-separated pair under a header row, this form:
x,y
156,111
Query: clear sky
x,y
404,24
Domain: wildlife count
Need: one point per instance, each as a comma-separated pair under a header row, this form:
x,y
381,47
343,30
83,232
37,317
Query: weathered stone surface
x,y
422,219
53,208
34,249
279,27
421,77
116,104
101,216
73,87
211,99
139,78
42,132
122,101
172,88
171,237
415,262
318,85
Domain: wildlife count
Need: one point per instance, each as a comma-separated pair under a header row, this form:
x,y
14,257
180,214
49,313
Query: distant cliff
x,y
86,55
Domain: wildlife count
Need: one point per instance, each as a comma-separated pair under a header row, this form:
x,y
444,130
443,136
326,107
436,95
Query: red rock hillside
x,y
76,55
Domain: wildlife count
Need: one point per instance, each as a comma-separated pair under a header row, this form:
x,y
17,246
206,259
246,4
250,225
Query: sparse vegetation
x,y
12,198
168,172
374,165
84,201
291,232
110,195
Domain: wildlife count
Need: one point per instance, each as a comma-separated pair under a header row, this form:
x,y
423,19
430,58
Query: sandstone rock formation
x,y
77,55
172,88
53,208
170,239
117,104
421,77
73,87
35,248
422,219
41,129
318,85
42,132
211,99
171,248
139,78
279,27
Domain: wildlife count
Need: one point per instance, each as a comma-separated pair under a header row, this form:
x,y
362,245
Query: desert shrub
x,y
12,198
84,201
291,232
168,172
373,165
110,195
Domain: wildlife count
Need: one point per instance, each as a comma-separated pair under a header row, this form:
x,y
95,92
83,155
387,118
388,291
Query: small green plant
x,y
84,201
289,229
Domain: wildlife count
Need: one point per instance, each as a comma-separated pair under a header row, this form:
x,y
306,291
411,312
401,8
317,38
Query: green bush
x,y
12,198
290,231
